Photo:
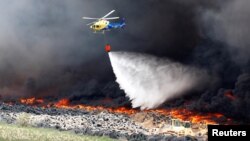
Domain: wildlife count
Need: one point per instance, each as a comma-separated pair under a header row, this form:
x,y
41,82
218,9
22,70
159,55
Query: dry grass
x,y
18,133
23,119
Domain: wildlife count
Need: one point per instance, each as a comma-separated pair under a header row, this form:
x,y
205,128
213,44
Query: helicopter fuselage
x,y
103,25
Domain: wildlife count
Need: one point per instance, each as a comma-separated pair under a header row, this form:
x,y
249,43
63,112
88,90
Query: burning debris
x,y
63,103
114,122
132,127
31,101
182,114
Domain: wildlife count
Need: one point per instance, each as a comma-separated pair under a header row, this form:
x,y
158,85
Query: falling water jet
x,y
150,81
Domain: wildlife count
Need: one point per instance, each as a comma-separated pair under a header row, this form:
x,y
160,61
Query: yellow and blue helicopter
x,y
103,24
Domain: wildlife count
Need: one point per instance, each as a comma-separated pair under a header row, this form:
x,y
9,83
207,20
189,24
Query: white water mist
x,y
150,81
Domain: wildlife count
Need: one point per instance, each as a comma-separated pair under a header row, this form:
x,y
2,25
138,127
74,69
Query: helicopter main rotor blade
x,y
88,18
91,23
108,14
111,18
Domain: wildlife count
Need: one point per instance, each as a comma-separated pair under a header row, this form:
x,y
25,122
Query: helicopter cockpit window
x,y
97,26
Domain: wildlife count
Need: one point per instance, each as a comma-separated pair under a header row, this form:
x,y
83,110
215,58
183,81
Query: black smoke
x,y
47,49
229,59
224,51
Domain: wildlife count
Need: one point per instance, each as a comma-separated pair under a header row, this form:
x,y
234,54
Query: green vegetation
x,y
9,132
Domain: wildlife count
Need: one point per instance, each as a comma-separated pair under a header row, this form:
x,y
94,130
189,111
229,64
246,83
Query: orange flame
x,y
187,115
31,101
63,103
178,113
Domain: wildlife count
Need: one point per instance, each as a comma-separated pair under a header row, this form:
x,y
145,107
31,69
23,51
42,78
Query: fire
x,y
31,101
230,95
178,113
63,103
187,115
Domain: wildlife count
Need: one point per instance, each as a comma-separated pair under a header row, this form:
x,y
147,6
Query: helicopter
x,y
103,24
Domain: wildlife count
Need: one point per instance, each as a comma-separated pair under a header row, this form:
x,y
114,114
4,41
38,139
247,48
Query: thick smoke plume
x,y
230,25
46,49
228,55
150,81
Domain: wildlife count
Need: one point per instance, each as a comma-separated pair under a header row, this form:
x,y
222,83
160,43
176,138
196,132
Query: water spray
x,y
149,81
